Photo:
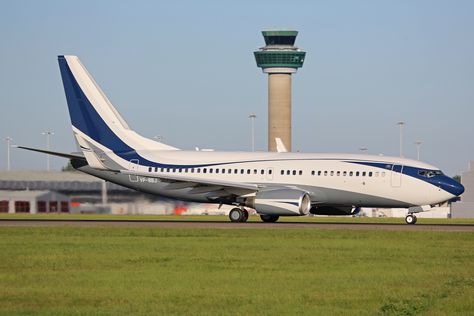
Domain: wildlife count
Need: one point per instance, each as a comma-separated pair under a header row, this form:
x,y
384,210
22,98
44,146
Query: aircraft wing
x,y
221,188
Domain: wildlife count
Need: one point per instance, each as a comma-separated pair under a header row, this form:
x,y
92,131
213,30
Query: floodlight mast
x,y
9,145
48,135
252,118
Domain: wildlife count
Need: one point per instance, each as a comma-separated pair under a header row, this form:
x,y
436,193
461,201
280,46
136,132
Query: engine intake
x,y
289,202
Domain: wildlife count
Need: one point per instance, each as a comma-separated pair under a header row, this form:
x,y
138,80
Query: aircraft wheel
x,y
236,215
246,215
410,219
269,218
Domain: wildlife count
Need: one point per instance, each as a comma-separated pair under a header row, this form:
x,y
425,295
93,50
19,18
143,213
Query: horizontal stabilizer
x,y
55,153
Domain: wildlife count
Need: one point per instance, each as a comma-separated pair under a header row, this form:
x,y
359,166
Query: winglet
x,y
280,146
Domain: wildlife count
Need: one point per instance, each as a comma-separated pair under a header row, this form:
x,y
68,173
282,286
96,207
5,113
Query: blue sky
x,y
185,70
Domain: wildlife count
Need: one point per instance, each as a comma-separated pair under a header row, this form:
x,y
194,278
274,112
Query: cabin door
x,y
397,171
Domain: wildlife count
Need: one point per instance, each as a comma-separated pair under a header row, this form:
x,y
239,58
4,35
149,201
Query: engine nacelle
x,y
284,202
334,210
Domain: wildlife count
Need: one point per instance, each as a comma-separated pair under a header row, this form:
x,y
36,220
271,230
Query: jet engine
x,y
284,202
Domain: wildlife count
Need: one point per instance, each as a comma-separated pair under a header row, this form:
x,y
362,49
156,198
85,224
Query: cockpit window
x,y
430,173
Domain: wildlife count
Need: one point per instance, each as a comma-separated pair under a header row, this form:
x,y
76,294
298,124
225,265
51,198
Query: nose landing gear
x,y
410,219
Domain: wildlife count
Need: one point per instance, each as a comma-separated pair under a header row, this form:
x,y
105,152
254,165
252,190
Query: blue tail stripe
x,y
83,115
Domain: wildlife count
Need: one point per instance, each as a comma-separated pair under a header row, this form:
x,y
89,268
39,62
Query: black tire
x,y
269,218
236,215
410,219
246,215
415,219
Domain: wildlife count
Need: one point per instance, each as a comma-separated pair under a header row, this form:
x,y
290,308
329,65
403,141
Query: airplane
x,y
273,183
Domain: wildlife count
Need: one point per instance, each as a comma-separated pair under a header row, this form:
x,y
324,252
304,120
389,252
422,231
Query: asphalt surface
x,y
229,225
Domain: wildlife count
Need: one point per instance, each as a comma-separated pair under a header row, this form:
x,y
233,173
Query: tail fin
x,y
93,117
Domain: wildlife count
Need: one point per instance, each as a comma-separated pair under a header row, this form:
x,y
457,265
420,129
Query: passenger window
x,y
174,169
255,171
332,173
300,172
325,173
210,170
192,170
287,172
319,173
312,173
363,173
229,171
223,170
248,171
217,170
370,173
262,171
294,172
282,172
236,171
376,174
351,173
180,170
204,170
357,173
241,171
344,173
149,169
270,171
338,173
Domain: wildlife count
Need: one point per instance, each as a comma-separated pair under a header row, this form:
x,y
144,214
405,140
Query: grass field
x,y
143,271
333,219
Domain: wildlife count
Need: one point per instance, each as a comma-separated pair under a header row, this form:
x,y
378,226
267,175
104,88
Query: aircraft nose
x,y
452,186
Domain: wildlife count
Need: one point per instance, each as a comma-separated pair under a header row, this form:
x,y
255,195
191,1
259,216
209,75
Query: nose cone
x,y
452,186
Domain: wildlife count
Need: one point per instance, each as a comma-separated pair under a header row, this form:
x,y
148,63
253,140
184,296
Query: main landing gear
x,y
241,215
238,215
269,218
410,219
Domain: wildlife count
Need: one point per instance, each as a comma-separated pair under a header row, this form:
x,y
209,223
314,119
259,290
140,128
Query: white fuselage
x,y
331,179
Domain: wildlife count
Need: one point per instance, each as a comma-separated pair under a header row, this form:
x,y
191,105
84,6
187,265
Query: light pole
x,y
418,145
9,144
48,135
401,124
252,118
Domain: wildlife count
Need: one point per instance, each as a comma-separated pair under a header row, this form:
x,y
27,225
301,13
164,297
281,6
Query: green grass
x,y
332,219
143,271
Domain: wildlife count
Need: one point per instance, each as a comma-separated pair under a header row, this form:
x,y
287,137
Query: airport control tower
x,y
279,59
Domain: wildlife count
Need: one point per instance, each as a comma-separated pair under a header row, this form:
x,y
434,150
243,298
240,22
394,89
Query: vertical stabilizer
x,y
93,117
